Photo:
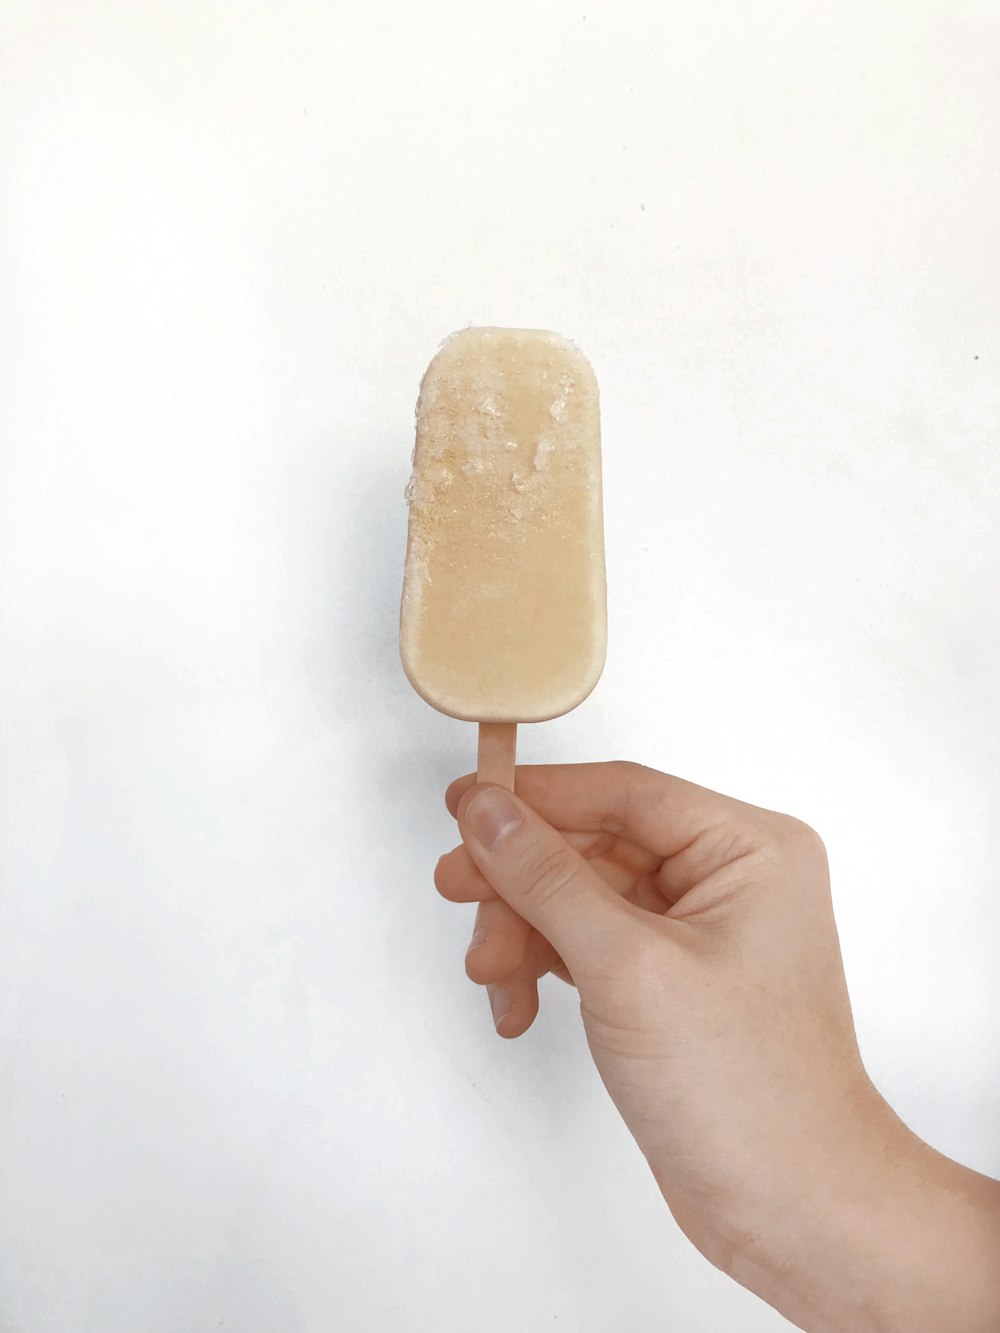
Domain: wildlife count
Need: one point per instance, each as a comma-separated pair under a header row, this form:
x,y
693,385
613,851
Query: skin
x,y
699,932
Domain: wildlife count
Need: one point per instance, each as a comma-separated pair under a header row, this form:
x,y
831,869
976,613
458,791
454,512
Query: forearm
x,y
909,1242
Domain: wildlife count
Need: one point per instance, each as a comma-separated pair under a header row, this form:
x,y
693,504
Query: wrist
x,y
888,1237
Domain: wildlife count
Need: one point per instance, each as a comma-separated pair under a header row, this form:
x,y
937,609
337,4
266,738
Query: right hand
x,y
700,934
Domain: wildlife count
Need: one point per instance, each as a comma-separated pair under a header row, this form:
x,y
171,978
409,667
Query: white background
x,y
246,1083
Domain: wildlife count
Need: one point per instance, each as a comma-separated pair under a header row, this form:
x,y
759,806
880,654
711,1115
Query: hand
x,y
700,934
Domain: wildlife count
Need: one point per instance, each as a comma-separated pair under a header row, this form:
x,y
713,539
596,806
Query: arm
x,y
700,933
892,1238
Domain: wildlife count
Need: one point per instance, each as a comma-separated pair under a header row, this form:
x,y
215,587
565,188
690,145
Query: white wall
x,y
247,1083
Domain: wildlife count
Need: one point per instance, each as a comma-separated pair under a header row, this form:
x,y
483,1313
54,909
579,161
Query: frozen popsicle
x,y
503,616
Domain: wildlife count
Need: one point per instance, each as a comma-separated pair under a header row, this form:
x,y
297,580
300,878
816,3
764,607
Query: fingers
x,y
484,965
545,958
514,1002
661,813
499,941
459,879
514,998
620,864
548,883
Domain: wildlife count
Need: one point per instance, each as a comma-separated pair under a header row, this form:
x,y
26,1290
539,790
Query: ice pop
x,y
503,616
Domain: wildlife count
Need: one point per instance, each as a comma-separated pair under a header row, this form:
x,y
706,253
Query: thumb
x,y
545,880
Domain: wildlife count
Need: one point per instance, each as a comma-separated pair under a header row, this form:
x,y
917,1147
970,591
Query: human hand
x,y
700,934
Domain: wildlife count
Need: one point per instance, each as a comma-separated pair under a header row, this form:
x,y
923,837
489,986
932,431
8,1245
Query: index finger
x,y
660,812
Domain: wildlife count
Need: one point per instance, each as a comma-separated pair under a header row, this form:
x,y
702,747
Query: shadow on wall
x,y
418,748
399,752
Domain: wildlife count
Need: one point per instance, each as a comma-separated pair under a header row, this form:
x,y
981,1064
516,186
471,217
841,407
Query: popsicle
x,y
503,617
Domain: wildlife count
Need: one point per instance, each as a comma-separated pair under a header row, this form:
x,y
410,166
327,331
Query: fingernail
x,y
478,935
500,1003
490,816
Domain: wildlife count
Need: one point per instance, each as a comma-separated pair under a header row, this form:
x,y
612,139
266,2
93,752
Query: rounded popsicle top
x,y
503,615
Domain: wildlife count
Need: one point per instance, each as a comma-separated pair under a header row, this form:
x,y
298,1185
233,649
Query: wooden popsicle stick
x,y
497,747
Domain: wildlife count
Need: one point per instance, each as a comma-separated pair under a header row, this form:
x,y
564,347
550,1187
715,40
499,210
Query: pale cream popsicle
x,y
503,616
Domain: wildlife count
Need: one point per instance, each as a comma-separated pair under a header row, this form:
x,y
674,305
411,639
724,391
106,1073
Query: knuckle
x,y
631,774
626,767
451,881
481,970
548,874
442,881
800,835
